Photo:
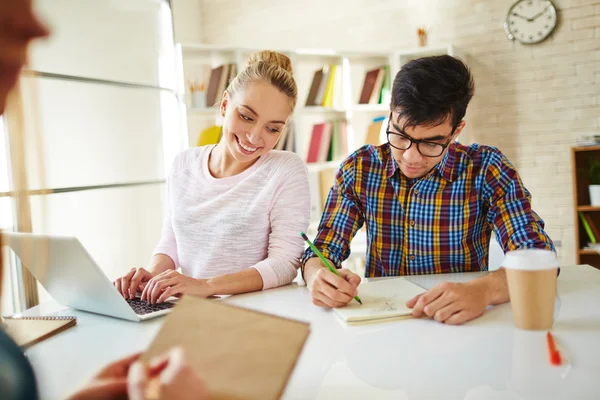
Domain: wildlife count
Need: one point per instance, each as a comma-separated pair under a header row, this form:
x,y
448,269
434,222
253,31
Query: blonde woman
x,y
125,377
235,210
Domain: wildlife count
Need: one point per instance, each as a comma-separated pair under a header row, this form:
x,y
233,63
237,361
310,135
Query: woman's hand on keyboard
x,y
172,283
135,280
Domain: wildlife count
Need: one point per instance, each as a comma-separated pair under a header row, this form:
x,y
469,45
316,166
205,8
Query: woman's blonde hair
x,y
271,67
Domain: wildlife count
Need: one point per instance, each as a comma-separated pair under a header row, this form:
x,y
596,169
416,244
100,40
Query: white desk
x,y
411,359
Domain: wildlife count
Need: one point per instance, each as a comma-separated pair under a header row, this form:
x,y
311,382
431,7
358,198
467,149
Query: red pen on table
x,y
552,350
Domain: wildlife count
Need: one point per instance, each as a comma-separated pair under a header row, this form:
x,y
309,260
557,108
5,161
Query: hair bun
x,y
271,57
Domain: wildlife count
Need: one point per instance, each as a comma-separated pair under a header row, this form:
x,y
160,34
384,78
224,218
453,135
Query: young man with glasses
x,y
429,203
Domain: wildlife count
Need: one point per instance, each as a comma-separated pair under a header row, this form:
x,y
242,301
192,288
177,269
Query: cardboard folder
x,y
240,353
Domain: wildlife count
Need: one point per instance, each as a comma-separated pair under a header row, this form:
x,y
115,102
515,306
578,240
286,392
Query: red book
x,y
325,142
314,147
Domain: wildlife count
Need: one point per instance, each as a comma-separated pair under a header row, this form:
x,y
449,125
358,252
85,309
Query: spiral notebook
x,y
27,331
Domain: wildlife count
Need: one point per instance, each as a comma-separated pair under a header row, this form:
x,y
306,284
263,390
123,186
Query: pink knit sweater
x,y
251,220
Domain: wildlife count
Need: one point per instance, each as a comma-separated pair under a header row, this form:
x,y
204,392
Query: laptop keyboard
x,y
143,307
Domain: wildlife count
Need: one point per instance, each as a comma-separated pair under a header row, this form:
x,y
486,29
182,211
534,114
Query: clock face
x,y
530,21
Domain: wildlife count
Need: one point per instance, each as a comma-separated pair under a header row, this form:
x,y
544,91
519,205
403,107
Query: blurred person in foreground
x,y
126,377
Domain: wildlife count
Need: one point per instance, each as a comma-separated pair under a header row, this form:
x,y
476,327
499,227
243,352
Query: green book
x,y
587,228
385,86
330,153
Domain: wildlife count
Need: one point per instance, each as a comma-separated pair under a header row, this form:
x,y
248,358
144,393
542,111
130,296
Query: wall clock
x,y
530,21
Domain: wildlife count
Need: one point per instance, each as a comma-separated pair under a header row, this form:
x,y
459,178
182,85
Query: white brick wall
x,y
531,101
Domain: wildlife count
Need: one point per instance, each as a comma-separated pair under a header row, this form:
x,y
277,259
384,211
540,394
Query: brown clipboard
x,y
240,353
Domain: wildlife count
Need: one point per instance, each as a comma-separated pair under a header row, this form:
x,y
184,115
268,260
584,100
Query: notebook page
x,y
381,299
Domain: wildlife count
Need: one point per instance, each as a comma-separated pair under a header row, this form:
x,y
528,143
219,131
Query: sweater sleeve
x,y
289,215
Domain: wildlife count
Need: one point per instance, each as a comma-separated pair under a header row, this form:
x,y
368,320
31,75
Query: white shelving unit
x,y
199,59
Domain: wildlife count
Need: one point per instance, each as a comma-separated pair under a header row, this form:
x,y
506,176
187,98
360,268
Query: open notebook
x,y
240,353
383,300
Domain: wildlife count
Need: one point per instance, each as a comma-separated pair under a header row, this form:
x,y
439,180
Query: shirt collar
x,y
390,163
447,167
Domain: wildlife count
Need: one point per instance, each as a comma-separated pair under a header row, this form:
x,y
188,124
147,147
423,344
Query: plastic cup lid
x,y
530,259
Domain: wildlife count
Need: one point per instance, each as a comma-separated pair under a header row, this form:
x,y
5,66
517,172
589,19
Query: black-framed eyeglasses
x,y
426,148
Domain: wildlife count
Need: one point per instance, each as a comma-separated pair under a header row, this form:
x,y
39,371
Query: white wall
x,y
531,101
94,134
187,17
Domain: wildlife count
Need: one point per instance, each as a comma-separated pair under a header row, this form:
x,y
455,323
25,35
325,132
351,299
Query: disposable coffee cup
x,y
531,276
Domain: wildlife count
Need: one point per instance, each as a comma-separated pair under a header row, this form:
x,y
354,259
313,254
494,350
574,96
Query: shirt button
x,y
416,191
412,222
412,258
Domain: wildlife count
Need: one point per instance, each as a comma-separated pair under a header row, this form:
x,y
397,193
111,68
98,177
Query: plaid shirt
x,y
439,223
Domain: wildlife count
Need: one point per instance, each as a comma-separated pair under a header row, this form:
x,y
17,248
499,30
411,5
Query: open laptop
x,y
67,271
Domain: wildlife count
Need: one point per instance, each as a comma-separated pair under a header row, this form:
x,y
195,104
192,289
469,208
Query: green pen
x,y
323,259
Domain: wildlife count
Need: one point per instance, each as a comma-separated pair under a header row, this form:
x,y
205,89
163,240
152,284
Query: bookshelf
x,y
581,201
198,59
351,68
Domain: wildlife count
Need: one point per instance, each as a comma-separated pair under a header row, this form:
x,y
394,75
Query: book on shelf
x,y
338,147
367,88
385,94
374,86
338,92
232,74
213,84
592,225
328,142
587,227
219,79
322,86
286,141
376,93
282,140
325,88
320,140
311,99
374,133
291,139
330,87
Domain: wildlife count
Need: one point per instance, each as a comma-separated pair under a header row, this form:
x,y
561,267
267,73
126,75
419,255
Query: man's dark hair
x,y
432,90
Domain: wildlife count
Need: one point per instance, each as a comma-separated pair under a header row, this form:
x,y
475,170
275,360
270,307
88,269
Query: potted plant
x,y
594,178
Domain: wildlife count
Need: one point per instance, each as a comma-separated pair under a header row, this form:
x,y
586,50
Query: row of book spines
x,y
325,82
328,142
323,86
590,227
